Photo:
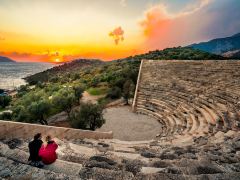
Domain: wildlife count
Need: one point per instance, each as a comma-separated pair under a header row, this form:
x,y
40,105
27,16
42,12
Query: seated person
x,y
34,147
48,152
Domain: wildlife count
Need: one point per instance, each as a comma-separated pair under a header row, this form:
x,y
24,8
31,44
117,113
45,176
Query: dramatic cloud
x,y
197,22
163,29
117,35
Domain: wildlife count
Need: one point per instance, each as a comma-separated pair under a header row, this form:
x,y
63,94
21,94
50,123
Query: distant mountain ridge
x,y
177,53
219,45
6,59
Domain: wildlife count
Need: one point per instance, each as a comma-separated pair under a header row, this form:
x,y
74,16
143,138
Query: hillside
x,y
61,70
110,79
177,53
220,45
81,67
6,59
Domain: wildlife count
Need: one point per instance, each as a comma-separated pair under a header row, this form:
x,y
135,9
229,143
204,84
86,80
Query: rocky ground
x,y
215,156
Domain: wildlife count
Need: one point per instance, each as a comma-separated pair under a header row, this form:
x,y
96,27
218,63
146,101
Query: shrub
x,y
128,90
88,116
104,101
39,111
23,115
5,101
78,91
6,116
97,91
64,100
23,88
114,93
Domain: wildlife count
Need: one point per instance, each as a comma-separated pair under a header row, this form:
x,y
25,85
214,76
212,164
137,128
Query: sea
x,y
12,74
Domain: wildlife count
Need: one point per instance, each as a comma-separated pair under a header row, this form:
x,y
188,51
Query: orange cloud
x,y
111,55
156,21
117,34
163,29
45,57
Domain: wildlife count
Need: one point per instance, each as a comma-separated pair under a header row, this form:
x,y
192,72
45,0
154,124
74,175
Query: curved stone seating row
x,y
176,100
178,120
210,116
190,97
172,122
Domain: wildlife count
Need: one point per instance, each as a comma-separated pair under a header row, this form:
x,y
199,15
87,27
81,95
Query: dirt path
x,y
129,126
90,98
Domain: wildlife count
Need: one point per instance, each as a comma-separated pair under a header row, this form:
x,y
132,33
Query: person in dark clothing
x,y
34,146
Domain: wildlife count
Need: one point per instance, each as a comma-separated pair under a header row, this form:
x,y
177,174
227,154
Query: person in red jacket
x,y
48,152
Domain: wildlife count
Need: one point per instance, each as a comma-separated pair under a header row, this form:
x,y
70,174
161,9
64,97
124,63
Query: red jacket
x,y
48,153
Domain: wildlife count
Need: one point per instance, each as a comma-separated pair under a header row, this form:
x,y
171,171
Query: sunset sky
x,y
62,30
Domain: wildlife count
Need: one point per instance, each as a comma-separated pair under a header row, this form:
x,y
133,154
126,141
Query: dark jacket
x,y
34,147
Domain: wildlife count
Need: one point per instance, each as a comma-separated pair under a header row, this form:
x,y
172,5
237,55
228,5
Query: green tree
x,y
22,90
128,90
114,93
21,114
39,111
6,116
5,101
88,116
64,101
78,91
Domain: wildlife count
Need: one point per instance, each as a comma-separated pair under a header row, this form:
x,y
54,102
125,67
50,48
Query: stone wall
x,y
9,129
137,85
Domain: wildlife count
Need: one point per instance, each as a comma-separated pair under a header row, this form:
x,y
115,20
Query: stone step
x,y
58,166
10,169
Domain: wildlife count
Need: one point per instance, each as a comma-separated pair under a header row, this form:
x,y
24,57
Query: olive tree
x,y
64,101
40,110
5,101
88,116
128,90
78,92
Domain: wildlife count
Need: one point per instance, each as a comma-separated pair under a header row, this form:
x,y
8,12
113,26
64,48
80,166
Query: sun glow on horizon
x,y
57,60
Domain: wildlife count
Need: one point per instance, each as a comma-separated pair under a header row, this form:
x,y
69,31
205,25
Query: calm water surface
x,y
11,74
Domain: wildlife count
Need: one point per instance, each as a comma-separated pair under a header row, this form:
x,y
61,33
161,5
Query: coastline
x,y
13,75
